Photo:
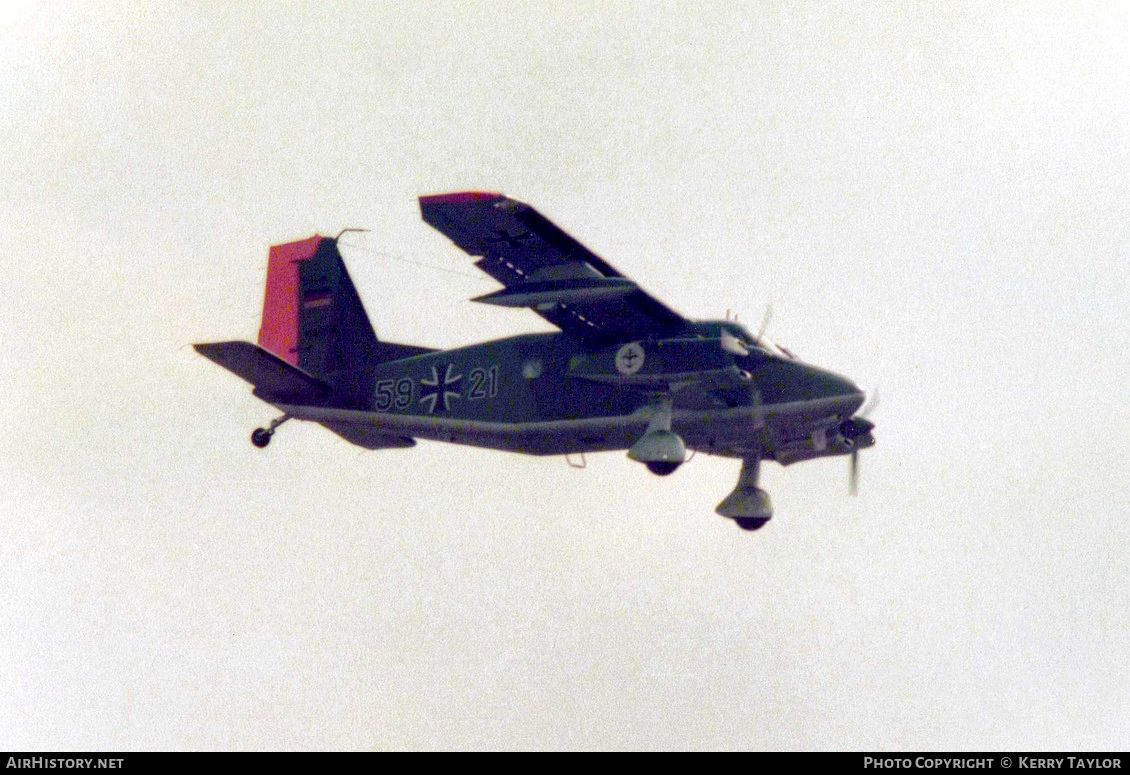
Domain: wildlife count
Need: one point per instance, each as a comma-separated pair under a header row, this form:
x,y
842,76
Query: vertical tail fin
x,y
313,317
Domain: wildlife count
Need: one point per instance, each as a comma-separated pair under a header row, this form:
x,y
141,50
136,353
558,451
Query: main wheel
x,y
662,467
260,437
751,523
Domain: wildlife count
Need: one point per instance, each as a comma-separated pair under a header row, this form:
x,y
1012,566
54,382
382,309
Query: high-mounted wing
x,y
545,269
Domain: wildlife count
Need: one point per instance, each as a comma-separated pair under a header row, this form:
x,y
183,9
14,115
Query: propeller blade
x,y
870,404
768,316
858,426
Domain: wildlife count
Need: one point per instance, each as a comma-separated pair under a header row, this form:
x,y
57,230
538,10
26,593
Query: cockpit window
x,y
767,345
748,340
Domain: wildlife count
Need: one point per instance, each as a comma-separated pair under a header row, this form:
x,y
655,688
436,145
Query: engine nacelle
x,y
855,427
852,434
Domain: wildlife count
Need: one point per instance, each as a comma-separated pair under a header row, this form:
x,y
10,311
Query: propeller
x,y
853,473
768,316
858,426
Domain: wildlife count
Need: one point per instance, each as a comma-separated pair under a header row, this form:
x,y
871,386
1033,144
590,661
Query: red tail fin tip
x,y
279,330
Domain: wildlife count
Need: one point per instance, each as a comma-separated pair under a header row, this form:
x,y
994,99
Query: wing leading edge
x,y
545,269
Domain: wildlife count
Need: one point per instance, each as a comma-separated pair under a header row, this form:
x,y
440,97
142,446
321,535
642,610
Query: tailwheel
x,y
261,437
663,467
751,523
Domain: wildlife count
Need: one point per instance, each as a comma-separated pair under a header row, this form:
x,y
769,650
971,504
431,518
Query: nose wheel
x,y
261,437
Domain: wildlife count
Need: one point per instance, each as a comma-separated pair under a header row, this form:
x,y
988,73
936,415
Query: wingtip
x,y
460,197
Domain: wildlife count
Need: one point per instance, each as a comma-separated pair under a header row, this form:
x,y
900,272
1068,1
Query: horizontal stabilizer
x,y
271,375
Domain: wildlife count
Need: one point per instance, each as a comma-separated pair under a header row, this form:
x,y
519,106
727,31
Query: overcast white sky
x,y
933,197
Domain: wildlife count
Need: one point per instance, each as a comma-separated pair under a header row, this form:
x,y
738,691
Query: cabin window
x,y
532,368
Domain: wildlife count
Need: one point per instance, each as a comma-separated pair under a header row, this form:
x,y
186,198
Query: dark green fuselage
x,y
552,394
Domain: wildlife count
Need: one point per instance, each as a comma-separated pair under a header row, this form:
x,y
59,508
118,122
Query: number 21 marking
x,y
484,383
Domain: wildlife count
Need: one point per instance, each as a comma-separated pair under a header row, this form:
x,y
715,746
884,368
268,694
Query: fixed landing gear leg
x,y
748,505
261,437
659,449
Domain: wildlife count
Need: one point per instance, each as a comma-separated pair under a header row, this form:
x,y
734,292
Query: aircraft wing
x,y
545,269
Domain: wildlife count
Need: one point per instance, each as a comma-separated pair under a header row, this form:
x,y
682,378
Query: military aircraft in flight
x,y
624,372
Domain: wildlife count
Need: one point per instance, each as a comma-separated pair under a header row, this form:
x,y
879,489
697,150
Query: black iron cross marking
x,y
431,390
502,240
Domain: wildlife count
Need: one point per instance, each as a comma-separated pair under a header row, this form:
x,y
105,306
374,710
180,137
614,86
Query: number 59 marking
x,y
394,393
